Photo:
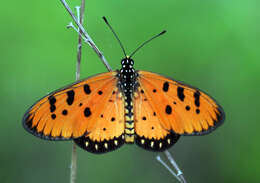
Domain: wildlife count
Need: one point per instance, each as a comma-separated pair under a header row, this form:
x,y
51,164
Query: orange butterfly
x,y
103,112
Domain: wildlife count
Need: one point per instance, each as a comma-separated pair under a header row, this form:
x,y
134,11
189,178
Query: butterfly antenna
x,y
121,45
161,33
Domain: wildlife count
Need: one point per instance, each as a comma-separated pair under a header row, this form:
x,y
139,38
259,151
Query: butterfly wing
x,y
150,134
76,110
108,134
179,108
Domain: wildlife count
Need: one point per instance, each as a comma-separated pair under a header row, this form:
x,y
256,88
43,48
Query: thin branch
x,y
73,168
174,164
178,175
168,168
80,19
86,36
80,15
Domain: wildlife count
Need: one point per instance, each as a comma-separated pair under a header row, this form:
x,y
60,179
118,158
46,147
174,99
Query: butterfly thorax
x,y
127,84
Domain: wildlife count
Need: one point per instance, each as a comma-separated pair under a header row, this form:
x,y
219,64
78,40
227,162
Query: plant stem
x,y
167,167
85,34
174,164
80,15
179,175
73,168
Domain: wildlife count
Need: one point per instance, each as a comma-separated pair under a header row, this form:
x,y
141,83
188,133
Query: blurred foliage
x,y
213,45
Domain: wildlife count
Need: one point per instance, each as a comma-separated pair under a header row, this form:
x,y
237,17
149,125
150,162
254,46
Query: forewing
x,y
179,107
72,111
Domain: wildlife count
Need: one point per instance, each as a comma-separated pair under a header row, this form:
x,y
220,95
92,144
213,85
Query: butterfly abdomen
x,y
129,121
127,84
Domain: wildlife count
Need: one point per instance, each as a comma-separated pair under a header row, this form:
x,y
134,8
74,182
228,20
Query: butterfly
x,y
105,111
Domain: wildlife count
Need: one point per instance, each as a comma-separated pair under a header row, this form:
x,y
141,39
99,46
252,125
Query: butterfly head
x,y
127,62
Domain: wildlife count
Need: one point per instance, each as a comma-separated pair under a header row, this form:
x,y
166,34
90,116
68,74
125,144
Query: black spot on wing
x,y
87,112
87,89
165,86
52,108
52,101
180,93
197,98
70,98
168,109
53,116
197,111
64,112
187,108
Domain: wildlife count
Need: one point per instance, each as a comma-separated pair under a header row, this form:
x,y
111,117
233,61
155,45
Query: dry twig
x,y
80,15
179,175
85,35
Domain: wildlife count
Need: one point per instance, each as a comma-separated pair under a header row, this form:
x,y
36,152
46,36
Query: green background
x,y
213,45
